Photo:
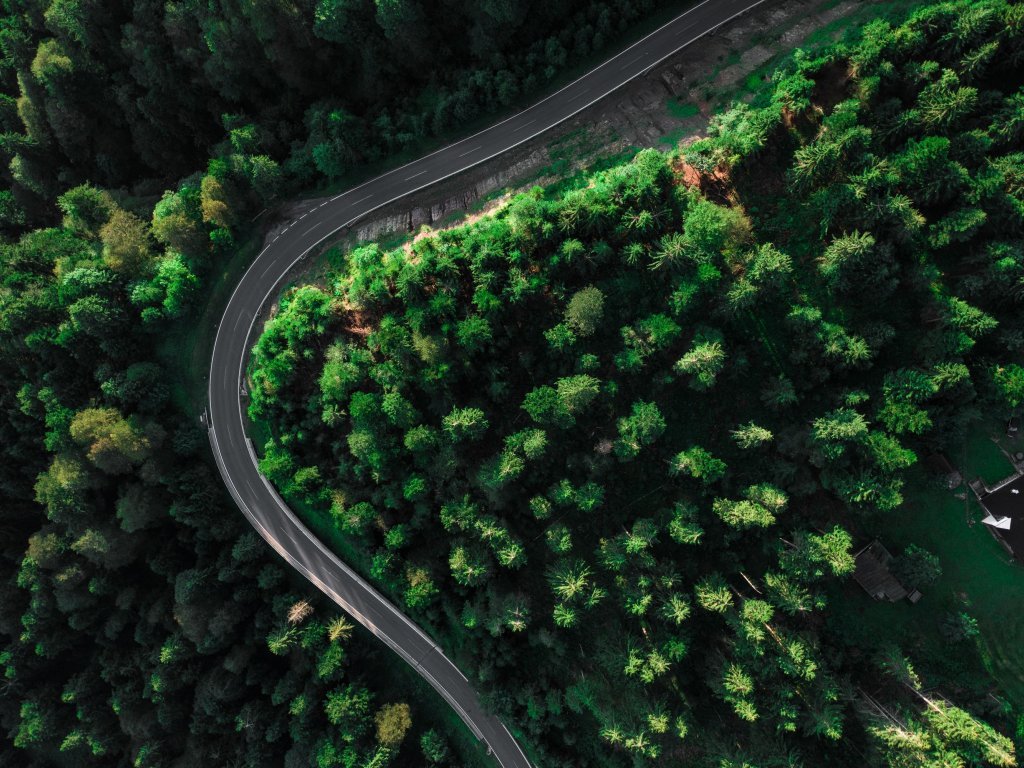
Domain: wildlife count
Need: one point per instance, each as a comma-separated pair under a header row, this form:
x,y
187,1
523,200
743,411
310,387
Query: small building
x,y
873,574
1004,505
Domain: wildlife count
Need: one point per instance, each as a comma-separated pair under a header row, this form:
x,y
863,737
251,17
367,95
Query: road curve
x,y
226,419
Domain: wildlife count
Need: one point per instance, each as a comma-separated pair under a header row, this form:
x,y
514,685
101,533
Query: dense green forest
x,y
142,622
616,443
136,94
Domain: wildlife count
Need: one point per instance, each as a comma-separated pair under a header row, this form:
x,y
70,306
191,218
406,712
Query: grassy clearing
x,y
978,577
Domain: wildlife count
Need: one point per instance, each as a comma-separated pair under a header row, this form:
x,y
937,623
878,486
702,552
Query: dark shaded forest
x,y
137,95
616,443
143,623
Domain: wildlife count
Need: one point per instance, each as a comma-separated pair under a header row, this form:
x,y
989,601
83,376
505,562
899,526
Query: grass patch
x,y
581,177
673,137
754,82
978,577
682,110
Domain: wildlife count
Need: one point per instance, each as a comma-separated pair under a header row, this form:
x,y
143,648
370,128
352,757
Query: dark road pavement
x,y
239,327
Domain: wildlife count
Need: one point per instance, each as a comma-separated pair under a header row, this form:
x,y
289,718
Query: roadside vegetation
x,y
616,444
296,95
142,622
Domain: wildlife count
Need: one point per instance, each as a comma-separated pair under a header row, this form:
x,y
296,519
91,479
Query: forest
x,y
142,621
137,94
616,442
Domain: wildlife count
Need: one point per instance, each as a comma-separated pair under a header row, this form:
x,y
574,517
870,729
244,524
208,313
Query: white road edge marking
x,y
212,433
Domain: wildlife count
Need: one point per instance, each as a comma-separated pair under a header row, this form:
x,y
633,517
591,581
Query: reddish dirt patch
x,y
355,322
715,186
686,174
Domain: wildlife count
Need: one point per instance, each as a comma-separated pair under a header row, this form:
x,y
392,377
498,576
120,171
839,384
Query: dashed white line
x,y
578,95
470,152
415,175
265,271
332,561
632,61
345,193
312,228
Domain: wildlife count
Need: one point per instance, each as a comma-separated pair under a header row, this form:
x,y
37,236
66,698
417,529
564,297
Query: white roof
x,y
1002,522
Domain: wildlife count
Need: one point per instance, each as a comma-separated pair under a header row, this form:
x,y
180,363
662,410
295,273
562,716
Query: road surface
x,y
238,327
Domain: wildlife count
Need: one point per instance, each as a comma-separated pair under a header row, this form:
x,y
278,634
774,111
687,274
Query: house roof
x,y
873,574
1005,507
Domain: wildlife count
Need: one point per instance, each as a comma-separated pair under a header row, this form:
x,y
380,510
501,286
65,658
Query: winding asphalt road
x,y
236,331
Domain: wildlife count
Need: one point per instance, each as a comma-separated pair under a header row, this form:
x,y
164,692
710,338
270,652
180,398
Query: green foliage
x,y
1009,380
576,393
837,302
435,750
917,567
465,424
751,435
392,720
585,310
111,442
459,409
641,428
704,361
698,463
469,565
